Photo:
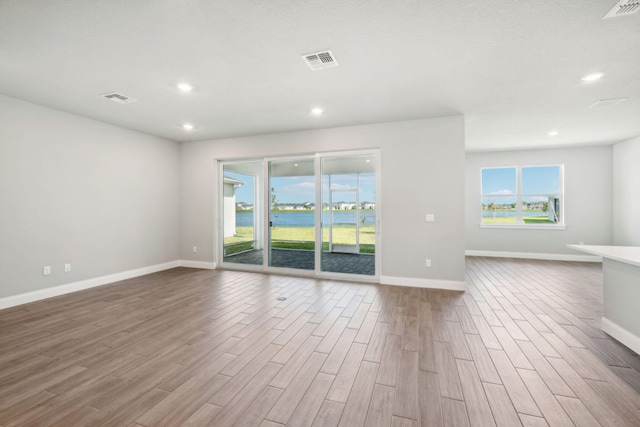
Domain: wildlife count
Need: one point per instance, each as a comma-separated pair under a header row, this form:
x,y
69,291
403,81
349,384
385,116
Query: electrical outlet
x,y
427,263
195,249
67,268
46,270
430,218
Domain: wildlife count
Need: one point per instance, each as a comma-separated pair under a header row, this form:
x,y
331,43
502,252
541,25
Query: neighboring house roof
x,y
229,180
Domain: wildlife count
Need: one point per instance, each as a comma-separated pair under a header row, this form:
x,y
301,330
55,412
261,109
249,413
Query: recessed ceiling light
x,y
553,133
187,126
368,160
295,164
184,87
317,111
592,77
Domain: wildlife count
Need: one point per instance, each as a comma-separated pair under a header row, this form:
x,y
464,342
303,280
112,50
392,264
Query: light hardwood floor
x,y
195,347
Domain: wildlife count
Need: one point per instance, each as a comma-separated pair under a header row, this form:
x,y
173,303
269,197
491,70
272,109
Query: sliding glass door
x,y
292,224
349,214
316,214
242,213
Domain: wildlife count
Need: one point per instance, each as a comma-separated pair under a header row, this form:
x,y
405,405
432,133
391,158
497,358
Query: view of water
x,y
307,218
508,214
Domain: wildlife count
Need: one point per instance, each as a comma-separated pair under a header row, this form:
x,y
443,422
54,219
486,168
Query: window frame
x,y
519,197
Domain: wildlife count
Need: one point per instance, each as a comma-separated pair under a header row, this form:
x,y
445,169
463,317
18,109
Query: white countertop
x,y
626,254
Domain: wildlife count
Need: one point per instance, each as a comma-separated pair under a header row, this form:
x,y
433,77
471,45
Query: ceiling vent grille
x,y
623,8
119,98
608,102
321,60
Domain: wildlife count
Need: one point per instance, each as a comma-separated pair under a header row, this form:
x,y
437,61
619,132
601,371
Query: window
x,y
522,196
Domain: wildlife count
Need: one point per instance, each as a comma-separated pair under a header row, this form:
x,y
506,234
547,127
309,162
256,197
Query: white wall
x,y
74,190
587,205
422,172
626,193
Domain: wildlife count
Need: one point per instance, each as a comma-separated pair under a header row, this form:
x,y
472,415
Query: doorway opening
x,y
316,214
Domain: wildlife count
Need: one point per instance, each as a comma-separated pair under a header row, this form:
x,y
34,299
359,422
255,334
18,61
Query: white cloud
x,y
502,193
295,193
335,186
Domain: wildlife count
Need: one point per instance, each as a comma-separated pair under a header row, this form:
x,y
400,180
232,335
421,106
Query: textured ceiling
x,y
513,68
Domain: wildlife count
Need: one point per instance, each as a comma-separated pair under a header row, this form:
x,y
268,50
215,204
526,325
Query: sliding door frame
x,y
265,214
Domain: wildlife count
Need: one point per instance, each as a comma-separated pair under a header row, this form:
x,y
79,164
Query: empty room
x,y
319,213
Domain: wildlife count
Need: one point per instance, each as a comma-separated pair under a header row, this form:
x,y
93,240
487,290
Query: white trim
x,y
525,226
529,255
519,195
197,264
347,277
27,297
621,334
452,285
15,300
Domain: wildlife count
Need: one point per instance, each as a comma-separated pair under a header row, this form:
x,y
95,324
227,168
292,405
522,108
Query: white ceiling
x,y
513,68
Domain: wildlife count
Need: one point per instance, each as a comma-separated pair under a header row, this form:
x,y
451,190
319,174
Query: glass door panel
x,y
242,215
291,220
349,215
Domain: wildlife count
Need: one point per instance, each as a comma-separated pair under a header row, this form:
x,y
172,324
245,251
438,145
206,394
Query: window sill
x,y
525,226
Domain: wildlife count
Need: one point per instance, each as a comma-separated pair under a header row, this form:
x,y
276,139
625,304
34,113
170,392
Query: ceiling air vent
x,y
608,102
320,60
623,8
119,98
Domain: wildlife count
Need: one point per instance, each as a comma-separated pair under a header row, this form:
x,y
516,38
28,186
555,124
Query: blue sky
x,y
535,180
301,189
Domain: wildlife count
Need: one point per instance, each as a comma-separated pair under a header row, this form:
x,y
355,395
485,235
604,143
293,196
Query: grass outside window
x,y
303,238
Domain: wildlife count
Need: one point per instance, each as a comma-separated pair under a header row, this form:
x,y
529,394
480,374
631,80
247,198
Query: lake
x,y
307,218
509,214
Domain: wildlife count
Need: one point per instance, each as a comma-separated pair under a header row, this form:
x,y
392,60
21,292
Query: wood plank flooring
x,y
196,347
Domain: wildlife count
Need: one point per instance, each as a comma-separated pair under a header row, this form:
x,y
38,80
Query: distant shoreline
x,y
308,210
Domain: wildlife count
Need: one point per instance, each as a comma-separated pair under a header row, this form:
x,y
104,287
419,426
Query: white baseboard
x,y
452,285
27,297
15,300
198,264
621,334
530,255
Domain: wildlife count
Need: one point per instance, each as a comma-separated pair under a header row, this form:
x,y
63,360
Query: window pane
x,y
541,180
498,181
292,213
541,210
498,210
243,234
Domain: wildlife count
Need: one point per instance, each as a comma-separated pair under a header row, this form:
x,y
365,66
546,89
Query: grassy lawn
x,y
537,220
243,234
304,237
241,247
499,217
512,220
